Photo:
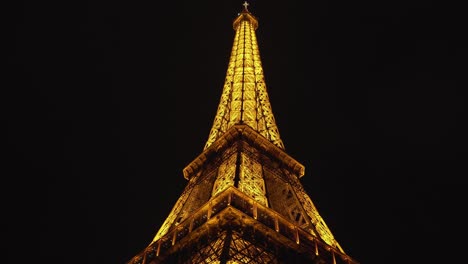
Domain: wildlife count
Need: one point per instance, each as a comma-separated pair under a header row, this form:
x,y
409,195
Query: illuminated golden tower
x,y
244,202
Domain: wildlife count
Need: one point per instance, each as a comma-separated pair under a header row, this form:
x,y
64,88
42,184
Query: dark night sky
x,y
105,103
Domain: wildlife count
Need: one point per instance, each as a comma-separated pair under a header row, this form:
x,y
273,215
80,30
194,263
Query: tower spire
x,y
245,4
244,99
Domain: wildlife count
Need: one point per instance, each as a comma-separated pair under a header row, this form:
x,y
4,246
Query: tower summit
x,y
244,99
243,202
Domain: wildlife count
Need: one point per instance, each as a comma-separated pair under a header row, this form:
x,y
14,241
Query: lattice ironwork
x,y
244,251
244,99
209,253
319,224
244,162
232,226
244,202
251,179
226,174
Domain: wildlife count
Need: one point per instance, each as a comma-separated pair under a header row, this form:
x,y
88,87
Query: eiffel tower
x,y
243,202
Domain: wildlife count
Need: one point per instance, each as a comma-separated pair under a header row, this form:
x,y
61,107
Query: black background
x,y
105,103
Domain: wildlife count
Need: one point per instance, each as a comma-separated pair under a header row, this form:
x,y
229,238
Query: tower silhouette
x,y
244,202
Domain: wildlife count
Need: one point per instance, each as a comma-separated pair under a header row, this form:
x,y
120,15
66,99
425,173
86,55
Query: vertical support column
x,y
238,167
224,258
276,223
191,225
209,211
174,237
316,247
159,248
254,210
296,235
